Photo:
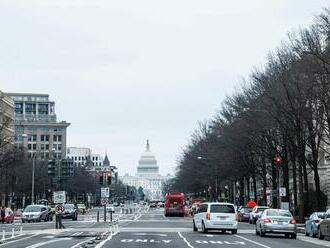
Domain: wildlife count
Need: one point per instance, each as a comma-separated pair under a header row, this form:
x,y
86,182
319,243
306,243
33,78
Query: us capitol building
x,y
147,176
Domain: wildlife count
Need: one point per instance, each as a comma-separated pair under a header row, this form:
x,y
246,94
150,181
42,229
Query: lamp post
x,y
33,169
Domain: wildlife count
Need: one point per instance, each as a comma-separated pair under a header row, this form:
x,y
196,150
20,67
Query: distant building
x,y
79,155
35,117
7,117
147,176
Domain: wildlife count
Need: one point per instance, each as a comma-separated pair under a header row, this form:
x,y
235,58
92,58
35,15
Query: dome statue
x,y
147,162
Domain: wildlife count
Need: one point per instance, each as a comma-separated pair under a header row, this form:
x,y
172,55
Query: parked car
x,y
255,213
35,213
81,208
312,225
215,216
276,221
70,212
244,214
110,208
324,227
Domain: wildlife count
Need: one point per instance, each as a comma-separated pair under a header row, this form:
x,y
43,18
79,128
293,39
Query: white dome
x,y
148,162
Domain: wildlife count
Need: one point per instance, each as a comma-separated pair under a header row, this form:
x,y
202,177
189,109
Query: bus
x,y
174,204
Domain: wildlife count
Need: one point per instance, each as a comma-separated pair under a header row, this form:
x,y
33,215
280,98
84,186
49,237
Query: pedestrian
x,y
3,214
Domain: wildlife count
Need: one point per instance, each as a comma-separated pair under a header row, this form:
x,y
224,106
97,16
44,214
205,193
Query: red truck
x,y
174,204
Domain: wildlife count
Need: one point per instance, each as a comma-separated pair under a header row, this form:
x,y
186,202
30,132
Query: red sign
x,y
59,208
277,160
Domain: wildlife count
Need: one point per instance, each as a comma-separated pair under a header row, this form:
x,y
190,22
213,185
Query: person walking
x,y
3,214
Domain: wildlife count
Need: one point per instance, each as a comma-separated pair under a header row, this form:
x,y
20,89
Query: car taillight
x,y
208,216
293,221
267,220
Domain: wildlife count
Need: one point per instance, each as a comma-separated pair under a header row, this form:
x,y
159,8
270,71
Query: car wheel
x,y
194,227
293,236
23,221
250,221
204,229
234,231
262,234
321,236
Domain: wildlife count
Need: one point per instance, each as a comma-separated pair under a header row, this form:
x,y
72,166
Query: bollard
x,y
13,232
3,235
21,230
105,213
110,216
98,216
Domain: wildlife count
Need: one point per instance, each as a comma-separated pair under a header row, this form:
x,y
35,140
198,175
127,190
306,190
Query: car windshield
x,y
222,209
32,209
246,210
282,213
321,215
68,206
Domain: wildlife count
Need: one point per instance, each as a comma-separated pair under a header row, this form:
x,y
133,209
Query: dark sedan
x,y
70,212
244,214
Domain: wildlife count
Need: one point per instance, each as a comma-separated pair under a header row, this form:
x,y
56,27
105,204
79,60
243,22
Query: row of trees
x,y
281,110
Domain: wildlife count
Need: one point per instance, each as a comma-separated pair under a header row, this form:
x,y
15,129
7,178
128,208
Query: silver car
x,y
35,213
276,221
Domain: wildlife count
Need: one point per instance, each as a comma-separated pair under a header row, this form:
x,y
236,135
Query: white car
x,y
216,216
256,212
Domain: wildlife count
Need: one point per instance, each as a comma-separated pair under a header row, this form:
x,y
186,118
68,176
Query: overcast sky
x,y
122,71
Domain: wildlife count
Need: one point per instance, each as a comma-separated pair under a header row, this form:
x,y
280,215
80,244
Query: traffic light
x,y
101,179
109,179
51,168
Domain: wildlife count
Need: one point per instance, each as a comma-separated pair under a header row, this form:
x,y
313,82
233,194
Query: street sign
x,y
59,197
104,201
105,192
282,191
59,208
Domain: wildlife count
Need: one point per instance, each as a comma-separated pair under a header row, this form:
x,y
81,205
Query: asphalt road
x,y
146,228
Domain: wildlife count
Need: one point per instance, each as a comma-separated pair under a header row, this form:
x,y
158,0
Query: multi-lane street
x,y
145,228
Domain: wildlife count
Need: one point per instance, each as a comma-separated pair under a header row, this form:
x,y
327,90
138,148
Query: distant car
x,y
161,204
255,213
70,212
312,225
81,208
110,208
215,216
324,227
153,205
244,214
35,213
276,221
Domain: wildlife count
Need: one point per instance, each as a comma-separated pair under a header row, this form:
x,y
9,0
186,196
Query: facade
x,y
147,176
97,159
36,126
79,155
7,117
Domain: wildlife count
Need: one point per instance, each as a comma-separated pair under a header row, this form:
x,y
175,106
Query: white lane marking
x,y
77,233
101,244
14,241
150,234
80,243
185,240
47,242
251,241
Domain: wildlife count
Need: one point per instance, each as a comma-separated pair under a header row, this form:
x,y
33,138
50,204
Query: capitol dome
x,y
147,162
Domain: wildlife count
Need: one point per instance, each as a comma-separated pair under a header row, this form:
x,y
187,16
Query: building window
x,y
75,158
57,138
19,108
29,146
59,147
32,138
30,108
43,109
44,137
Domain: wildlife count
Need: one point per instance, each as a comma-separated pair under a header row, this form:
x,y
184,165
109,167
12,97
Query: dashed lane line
x,y
47,242
17,240
251,241
185,240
